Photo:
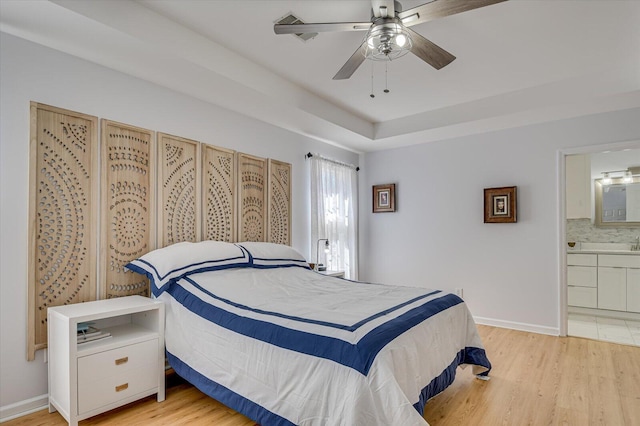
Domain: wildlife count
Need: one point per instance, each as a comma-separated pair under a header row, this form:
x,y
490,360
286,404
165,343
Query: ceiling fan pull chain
x,y
386,82
372,95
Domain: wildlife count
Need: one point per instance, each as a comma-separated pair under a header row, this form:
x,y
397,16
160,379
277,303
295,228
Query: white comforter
x,y
291,346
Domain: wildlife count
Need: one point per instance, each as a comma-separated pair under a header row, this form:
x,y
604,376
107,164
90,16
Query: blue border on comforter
x,y
359,356
469,355
256,412
225,395
352,327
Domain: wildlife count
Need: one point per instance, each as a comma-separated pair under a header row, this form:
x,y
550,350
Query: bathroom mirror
x,y
617,204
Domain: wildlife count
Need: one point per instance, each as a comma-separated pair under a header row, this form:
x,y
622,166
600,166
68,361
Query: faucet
x,y
636,246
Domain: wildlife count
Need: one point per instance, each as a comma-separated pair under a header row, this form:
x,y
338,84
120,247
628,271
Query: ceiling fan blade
x,y
429,52
383,8
440,8
352,64
320,28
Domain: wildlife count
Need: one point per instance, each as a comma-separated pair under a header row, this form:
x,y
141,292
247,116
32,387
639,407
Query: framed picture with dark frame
x,y
500,205
384,198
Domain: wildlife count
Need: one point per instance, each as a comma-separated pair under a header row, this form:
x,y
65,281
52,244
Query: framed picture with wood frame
x,y
384,198
500,205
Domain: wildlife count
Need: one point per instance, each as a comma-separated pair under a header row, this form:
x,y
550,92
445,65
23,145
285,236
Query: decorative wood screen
x,y
128,207
224,196
63,201
279,202
179,190
252,198
219,190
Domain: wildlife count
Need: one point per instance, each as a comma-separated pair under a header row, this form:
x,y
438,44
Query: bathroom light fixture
x,y
320,267
627,178
620,176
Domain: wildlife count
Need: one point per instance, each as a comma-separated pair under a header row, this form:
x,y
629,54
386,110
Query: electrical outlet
x,y
459,292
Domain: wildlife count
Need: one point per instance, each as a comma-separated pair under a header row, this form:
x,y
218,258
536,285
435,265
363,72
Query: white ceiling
x,y
519,62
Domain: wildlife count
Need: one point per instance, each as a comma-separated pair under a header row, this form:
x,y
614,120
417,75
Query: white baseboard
x,y
552,331
22,408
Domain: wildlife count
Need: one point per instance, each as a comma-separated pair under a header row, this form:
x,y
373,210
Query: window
x,y
334,214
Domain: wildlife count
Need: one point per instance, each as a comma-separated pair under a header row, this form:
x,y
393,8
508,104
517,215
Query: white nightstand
x,y
90,378
338,274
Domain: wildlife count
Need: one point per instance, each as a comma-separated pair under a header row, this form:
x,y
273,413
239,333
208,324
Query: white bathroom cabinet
x,y
633,290
612,288
578,181
614,272
604,281
582,279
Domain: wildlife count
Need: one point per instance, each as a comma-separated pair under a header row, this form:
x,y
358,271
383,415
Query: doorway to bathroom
x,y
601,265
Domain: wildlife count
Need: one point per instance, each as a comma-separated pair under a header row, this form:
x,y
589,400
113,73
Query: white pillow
x,y
271,255
168,264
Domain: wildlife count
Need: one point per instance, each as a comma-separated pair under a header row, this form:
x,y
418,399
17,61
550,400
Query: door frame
x,y
562,217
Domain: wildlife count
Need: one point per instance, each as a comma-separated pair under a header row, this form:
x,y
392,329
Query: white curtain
x,y
334,191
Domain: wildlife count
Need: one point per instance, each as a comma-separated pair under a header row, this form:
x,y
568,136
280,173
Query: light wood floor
x,y
536,380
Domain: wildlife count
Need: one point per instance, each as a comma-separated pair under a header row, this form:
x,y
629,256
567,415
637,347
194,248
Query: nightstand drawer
x,y
110,376
104,364
93,395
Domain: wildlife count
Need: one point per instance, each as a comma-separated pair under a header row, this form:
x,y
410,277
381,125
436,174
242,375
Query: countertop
x,y
625,252
603,248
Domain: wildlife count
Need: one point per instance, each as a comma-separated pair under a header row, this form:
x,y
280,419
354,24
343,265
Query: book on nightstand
x,y
90,333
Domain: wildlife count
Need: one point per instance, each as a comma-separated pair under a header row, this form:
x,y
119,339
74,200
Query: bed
x,y
253,327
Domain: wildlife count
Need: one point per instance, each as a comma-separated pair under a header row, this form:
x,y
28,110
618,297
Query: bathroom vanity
x,y
603,204
604,278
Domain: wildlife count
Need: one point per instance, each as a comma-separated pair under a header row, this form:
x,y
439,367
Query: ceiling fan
x,y
388,35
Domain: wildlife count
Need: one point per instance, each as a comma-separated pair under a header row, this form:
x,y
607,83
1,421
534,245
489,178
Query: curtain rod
x,y
331,160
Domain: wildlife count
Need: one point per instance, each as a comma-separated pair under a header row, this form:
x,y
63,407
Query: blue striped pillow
x,y
271,255
168,264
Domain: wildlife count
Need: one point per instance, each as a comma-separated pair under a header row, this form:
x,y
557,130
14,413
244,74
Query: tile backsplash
x,y
585,231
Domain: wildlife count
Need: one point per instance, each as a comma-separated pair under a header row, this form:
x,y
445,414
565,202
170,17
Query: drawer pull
x,y
121,361
122,387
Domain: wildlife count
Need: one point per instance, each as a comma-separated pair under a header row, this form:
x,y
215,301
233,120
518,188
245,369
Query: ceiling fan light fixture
x,y
387,39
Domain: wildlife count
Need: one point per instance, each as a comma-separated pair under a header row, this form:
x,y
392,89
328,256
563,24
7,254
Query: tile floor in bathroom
x,y
607,329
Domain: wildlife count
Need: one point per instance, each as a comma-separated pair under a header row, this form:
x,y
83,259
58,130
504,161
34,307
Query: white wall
x,y
30,72
437,238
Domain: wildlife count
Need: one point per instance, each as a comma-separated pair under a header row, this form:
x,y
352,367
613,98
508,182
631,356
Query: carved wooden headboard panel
x,y
178,190
63,194
279,202
203,192
128,206
252,198
218,192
